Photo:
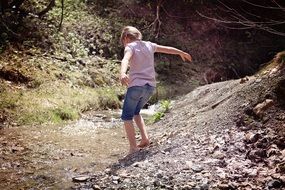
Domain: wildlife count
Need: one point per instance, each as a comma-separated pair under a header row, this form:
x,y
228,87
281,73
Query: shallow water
x,y
48,157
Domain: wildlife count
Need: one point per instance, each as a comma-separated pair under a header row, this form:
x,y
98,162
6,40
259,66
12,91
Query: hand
x,y
124,79
186,56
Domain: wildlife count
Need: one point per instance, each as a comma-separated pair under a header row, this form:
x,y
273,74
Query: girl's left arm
x,y
171,50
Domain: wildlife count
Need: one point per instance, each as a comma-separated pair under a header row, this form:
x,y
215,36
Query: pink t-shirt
x,y
142,63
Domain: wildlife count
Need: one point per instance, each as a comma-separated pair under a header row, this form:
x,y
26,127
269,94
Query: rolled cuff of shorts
x,y
126,118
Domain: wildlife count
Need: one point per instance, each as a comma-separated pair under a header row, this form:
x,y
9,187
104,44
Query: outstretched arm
x,y
124,66
171,50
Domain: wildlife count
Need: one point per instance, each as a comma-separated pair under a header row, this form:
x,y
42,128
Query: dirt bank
x,y
217,137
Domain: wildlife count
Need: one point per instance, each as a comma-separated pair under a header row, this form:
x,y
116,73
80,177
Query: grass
x,y
55,103
58,91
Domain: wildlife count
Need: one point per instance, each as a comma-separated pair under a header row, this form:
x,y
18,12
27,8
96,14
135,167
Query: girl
x,y
139,55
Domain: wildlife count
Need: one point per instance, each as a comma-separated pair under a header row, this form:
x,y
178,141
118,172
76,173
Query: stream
x,y
49,156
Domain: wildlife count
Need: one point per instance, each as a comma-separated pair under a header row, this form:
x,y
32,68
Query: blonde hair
x,y
130,32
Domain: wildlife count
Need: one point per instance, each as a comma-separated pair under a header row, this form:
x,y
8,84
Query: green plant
x,y
156,117
164,107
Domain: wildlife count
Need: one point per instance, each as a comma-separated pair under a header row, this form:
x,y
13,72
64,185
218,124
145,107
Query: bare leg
x,y
141,125
130,131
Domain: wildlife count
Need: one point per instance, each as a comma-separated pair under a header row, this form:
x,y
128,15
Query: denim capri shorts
x,y
136,97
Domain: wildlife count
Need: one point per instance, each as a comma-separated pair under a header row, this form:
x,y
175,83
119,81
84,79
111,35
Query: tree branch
x,y
264,7
157,22
47,9
242,19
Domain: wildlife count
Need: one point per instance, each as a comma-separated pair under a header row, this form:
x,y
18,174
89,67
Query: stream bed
x,y
49,156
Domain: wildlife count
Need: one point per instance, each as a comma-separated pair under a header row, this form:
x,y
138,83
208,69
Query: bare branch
x,y
278,4
242,19
157,22
261,6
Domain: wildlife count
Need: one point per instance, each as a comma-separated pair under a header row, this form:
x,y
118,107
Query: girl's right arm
x,y
124,66
171,50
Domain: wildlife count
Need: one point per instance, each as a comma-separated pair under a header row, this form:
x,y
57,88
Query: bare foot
x,y
131,151
144,144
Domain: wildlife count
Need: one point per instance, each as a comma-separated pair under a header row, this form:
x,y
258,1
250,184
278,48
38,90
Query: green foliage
x,y
164,107
66,113
8,100
69,44
157,117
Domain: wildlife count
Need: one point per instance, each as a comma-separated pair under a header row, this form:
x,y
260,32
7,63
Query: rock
x,y
116,178
17,149
281,168
259,109
205,185
274,184
219,155
273,150
157,183
82,178
214,148
107,171
196,168
96,187
256,155
252,172
137,164
186,187
251,137
225,186
221,173
244,80
159,175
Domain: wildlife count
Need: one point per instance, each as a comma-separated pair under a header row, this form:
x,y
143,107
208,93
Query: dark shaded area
x,y
280,93
13,75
